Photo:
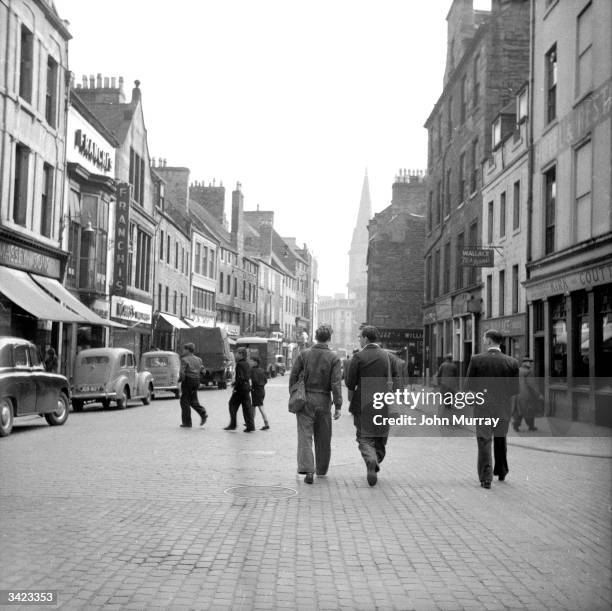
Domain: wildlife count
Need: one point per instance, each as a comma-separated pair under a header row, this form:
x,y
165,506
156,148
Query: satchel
x,y
389,376
297,393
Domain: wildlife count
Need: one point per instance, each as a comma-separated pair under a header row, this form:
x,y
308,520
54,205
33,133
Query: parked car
x,y
281,368
164,367
109,374
26,388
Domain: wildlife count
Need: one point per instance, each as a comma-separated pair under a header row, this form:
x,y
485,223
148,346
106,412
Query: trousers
x,y
373,449
314,421
189,400
241,396
485,471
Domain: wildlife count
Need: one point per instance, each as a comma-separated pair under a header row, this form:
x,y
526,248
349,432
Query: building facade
x,y
569,257
337,311
487,63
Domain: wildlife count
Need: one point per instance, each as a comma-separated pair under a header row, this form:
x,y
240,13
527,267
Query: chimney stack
x,y
136,92
238,219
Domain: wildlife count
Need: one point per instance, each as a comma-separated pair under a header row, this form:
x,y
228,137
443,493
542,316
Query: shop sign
x,y
120,252
400,336
12,255
576,281
101,307
231,330
131,310
204,321
476,257
89,149
509,326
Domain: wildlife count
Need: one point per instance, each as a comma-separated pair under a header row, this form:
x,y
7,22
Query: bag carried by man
x,y
297,393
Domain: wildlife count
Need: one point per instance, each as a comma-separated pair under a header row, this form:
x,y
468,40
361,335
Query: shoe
x,y
203,419
533,428
309,479
264,428
501,478
248,430
229,428
185,426
372,477
485,484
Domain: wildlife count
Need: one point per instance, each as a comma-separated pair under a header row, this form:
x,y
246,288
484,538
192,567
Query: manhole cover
x,y
261,492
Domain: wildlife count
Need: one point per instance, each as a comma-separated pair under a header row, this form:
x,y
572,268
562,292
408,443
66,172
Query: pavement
x,y
125,510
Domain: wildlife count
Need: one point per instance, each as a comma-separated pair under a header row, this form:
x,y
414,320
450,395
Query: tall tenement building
x,y
358,267
487,63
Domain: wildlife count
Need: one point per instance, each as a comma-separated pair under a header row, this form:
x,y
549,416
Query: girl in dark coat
x,y
258,391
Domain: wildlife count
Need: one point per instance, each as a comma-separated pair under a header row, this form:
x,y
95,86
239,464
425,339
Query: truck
x,y
212,346
266,348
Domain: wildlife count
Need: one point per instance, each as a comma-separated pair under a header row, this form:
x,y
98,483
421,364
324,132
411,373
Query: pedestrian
x,y
529,398
189,376
258,391
447,378
496,376
241,395
51,360
323,385
369,373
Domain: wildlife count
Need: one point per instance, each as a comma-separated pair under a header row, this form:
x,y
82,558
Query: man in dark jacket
x,y
497,374
369,372
323,384
447,377
189,375
242,393
529,397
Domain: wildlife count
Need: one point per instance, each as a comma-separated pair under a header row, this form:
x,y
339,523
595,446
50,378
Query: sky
x,y
294,100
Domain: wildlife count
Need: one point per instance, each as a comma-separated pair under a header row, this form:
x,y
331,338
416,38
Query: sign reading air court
x,y
120,253
476,257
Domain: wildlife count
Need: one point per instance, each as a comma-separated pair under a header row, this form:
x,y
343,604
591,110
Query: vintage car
x,y
281,367
103,375
26,388
164,367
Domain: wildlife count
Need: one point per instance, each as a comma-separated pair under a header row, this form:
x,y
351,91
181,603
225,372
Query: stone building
x,y
569,256
487,63
338,312
33,223
395,268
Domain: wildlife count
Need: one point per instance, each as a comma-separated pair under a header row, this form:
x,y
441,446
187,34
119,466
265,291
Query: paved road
x,y
125,510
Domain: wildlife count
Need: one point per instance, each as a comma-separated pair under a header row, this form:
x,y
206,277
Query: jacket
x,y
243,375
323,374
447,374
191,365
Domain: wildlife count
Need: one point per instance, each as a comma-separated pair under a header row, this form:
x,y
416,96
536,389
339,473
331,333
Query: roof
x,y
219,232
117,118
90,117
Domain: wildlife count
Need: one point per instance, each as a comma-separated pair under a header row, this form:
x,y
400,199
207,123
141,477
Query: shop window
x,y
603,334
51,93
20,185
584,51
550,204
551,84
580,309
558,357
25,64
46,201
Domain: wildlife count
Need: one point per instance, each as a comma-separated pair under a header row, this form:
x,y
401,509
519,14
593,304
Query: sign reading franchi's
x,y
92,151
120,252
476,257
131,310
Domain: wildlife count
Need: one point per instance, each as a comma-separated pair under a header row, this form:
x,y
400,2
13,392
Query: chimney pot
x,y
106,82
99,81
92,82
113,82
84,81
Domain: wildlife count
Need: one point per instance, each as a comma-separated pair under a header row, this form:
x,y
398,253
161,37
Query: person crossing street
x,y
189,376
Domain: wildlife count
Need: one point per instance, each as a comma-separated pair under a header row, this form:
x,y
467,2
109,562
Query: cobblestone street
x,y
124,509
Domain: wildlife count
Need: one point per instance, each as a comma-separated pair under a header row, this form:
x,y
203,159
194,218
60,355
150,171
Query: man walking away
x,y
368,373
323,384
242,393
496,373
189,375
529,398
447,377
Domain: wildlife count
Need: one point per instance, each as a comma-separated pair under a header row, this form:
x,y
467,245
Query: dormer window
x,y
496,132
521,106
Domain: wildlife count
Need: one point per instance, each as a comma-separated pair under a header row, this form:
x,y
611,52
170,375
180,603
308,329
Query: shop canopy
x,y
175,322
69,300
22,290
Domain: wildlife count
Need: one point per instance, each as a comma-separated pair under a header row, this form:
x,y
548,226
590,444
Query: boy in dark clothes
x,y
258,391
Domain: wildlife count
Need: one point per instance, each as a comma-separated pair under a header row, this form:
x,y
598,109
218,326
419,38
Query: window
x,y
137,176
46,201
501,294
463,112
203,300
475,79
490,213
168,249
235,286
51,94
143,260
584,49
159,297
516,205
603,332
558,360
20,185
428,279
496,133
436,274
449,118
515,288
551,84
161,246
502,215
439,203
211,263
583,181
521,106
429,211
474,177
204,260
167,309
220,282
489,296
581,343
25,64
447,195
198,252
550,198
461,183
175,302
229,285
182,260
446,270
458,266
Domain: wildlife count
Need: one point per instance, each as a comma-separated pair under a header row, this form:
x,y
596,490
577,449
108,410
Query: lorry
x,y
266,349
212,346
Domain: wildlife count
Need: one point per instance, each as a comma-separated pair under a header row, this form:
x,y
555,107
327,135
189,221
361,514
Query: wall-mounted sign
x,y
92,151
121,245
101,307
231,330
476,257
131,310
12,255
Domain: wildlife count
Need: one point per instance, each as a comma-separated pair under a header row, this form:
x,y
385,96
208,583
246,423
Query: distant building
x,y
338,312
395,268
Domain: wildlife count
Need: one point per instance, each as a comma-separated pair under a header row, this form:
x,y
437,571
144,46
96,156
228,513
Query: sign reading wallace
x,y
120,253
476,257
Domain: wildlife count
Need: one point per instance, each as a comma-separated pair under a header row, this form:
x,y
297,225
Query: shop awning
x,y
69,300
23,291
177,323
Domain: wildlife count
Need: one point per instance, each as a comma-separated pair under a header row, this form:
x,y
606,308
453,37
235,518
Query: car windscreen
x,y
94,360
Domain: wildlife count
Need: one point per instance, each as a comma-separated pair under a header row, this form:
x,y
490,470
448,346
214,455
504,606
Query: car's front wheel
x,y
122,399
60,415
147,398
6,417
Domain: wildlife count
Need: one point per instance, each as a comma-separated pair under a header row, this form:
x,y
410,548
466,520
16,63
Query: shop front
x,y
137,317
407,343
513,329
